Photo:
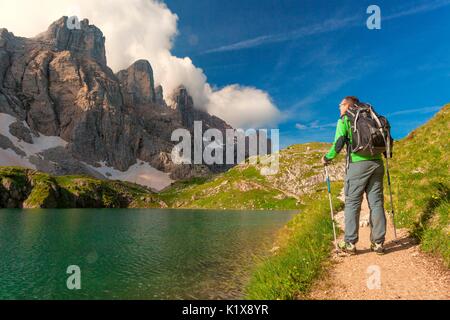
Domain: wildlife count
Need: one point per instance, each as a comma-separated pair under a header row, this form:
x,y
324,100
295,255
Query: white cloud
x,y
144,29
315,125
423,110
244,107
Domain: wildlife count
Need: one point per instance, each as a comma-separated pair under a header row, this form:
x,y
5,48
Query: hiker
x,y
364,174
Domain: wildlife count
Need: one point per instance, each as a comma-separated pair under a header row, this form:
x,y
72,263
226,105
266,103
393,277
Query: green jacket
x,y
343,137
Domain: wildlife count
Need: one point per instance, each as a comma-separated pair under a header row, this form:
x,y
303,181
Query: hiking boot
x,y
347,247
377,248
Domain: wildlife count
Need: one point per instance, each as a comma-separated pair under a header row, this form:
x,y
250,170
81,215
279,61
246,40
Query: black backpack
x,y
371,133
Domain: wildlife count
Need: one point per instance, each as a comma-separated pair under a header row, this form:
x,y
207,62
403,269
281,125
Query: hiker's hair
x,y
352,99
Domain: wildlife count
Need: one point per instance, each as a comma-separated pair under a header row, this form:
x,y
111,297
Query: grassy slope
x,y
35,189
222,192
421,184
305,245
243,187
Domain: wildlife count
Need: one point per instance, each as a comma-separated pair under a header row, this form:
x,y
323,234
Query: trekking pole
x,y
331,205
390,196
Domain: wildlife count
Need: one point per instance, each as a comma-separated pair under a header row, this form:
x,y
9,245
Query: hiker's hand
x,y
325,161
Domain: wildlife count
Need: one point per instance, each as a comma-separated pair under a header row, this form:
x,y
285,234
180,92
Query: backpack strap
x,y
356,120
350,112
350,116
374,116
387,138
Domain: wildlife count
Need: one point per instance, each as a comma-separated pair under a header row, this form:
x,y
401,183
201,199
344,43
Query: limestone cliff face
x,y
84,40
184,104
138,86
59,84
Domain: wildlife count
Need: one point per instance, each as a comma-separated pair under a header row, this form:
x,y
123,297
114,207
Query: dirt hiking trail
x,y
403,272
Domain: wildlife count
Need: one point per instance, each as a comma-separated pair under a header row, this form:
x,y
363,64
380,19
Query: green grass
x,y
13,175
421,184
243,187
43,193
239,188
436,239
305,247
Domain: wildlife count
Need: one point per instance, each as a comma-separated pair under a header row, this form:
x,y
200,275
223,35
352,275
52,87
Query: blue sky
x,y
309,54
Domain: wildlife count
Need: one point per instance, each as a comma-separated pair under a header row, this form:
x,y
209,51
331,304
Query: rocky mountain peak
x,y
184,104
137,83
5,36
159,95
76,36
181,99
58,84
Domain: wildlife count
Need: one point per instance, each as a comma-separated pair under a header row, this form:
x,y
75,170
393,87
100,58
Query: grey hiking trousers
x,y
365,177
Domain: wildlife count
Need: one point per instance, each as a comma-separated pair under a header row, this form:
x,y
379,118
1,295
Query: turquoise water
x,y
132,253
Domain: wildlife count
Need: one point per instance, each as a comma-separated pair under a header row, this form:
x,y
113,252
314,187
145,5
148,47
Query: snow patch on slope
x,y
40,143
9,158
141,173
